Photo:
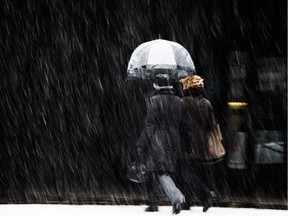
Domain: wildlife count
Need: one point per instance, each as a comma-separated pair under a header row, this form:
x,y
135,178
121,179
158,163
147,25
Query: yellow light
x,y
237,105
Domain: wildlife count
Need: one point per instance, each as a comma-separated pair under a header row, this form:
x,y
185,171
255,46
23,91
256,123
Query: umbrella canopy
x,y
160,54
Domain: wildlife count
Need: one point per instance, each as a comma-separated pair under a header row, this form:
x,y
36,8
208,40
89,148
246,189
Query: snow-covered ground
x,y
98,210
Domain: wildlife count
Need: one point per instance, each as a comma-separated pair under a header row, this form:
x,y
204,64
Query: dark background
x,y
69,120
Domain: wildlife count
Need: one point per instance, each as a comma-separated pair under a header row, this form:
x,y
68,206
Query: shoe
x,y
152,208
207,203
176,208
185,206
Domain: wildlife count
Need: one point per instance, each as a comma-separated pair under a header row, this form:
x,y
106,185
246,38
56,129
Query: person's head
x,y
193,84
162,81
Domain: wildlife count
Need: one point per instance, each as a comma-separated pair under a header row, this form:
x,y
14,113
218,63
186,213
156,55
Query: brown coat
x,y
197,120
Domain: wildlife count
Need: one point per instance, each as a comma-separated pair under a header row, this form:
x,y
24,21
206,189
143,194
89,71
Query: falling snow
x,y
70,119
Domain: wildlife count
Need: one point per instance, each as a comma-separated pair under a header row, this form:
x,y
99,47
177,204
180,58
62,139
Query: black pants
x,y
190,181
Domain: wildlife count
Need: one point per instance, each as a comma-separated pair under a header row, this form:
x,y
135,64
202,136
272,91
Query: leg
x,y
173,193
152,187
180,176
194,184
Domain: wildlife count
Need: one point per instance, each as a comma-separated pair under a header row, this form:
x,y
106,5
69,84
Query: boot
x,y
176,208
185,206
207,202
152,208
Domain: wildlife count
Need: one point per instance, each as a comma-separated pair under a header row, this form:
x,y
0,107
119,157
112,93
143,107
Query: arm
x,y
148,129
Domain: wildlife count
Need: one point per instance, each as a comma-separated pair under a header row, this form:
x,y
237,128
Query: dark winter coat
x,y
198,119
159,142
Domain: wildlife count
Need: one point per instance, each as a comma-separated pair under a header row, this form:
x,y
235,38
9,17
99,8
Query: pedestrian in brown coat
x,y
197,121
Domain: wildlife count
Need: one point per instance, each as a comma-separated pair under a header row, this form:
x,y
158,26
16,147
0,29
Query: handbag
x,y
136,172
215,150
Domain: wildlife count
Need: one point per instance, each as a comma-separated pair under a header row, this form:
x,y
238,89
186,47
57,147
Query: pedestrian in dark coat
x,y
197,121
159,142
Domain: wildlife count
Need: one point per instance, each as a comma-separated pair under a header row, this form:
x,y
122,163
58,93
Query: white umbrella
x,y
160,54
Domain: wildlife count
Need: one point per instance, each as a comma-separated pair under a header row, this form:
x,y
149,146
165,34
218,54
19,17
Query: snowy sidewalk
x,y
120,210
